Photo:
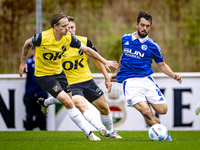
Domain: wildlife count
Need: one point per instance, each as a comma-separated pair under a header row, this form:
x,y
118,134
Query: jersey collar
x,y
141,40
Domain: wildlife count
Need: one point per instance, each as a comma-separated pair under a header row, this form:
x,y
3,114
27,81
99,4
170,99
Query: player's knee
x,y
68,104
104,110
82,106
163,111
102,106
161,108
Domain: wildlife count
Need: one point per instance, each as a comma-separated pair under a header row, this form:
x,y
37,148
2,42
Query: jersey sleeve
x,y
89,44
37,39
157,55
75,43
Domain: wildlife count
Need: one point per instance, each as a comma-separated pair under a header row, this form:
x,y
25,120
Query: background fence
x,y
181,99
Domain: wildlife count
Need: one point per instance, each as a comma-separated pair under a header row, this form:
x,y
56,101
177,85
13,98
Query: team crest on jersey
x,y
56,88
144,47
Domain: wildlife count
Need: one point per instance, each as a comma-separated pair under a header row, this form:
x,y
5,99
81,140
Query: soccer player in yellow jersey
x,y
81,81
51,45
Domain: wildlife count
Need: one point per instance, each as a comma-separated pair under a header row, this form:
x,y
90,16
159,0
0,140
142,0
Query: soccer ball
x,y
158,132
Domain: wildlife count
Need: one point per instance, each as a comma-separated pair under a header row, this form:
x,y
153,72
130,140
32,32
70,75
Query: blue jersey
x,y
137,55
32,85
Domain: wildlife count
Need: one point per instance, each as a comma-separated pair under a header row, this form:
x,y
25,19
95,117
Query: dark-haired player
x,y
138,51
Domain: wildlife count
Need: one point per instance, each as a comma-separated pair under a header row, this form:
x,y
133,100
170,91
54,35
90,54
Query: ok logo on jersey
x,y
68,65
50,56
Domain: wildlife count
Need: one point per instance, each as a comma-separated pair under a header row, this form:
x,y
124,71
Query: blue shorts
x,y
87,89
54,84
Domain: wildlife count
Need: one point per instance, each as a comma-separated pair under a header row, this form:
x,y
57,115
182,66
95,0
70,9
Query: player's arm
x,y
104,72
23,66
167,70
114,75
101,68
34,41
88,51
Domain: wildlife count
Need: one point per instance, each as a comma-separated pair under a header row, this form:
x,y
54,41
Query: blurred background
x,y
176,28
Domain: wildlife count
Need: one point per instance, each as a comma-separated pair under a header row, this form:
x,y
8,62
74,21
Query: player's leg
x,y
74,114
96,96
28,100
150,119
51,100
106,116
40,117
160,108
88,114
45,103
146,112
137,91
134,91
156,98
78,91
80,103
57,86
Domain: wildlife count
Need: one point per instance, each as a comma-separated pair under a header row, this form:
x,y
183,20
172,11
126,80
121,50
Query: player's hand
x,y
22,67
177,77
108,85
113,78
113,64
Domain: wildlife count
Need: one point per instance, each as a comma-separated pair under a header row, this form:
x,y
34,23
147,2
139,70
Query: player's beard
x,y
142,35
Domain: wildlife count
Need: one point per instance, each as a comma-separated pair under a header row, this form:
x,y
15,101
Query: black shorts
x,y
88,89
54,84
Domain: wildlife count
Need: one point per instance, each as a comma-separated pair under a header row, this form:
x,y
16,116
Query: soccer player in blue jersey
x,y
135,71
34,117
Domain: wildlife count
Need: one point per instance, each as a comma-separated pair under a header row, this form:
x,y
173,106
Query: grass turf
x,y
137,140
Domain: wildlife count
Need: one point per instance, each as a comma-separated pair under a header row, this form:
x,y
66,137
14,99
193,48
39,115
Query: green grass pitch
x,y
70,140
